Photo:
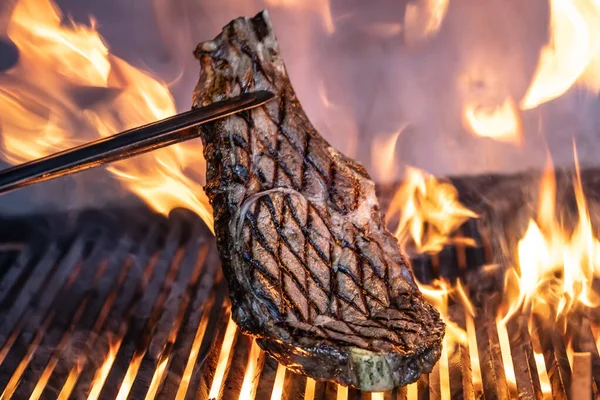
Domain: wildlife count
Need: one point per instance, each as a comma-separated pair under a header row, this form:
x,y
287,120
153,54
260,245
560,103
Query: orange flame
x,y
555,268
278,385
252,374
428,211
41,116
501,123
224,360
423,19
383,157
572,47
439,293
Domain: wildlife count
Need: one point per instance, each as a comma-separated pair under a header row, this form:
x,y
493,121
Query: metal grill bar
x,y
145,314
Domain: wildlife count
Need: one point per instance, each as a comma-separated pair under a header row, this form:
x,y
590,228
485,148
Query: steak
x,y
312,271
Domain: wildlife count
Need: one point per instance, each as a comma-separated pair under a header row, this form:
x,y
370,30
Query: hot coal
x,y
312,271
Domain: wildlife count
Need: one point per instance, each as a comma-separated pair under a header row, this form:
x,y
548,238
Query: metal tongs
x,y
156,135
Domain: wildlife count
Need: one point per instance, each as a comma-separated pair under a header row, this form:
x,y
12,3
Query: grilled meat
x,y
312,271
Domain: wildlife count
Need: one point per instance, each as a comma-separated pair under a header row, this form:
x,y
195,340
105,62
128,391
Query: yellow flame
x,y
278,385
544,379
501,123
423,19
428,211
224,360
40,113
438,293
383,159
574,42
252,373
555,268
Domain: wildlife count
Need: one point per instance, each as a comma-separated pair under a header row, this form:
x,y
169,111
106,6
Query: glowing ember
x,y
501,123
40,116
428,210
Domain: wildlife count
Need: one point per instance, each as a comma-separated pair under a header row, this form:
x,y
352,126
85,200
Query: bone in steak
x,y
312,271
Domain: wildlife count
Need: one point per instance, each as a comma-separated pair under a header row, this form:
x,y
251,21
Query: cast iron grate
x,y
133,305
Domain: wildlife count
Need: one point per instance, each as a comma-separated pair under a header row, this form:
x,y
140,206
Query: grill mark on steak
x,y
312,271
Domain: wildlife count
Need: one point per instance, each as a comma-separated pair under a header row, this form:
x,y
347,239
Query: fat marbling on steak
x,y
312,271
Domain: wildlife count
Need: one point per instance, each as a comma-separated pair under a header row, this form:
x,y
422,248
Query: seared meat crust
x,y
312,271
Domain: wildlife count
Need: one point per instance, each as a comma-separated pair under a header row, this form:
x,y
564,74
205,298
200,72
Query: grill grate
x,y
122,306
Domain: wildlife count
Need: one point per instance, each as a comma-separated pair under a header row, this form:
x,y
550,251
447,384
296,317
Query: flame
x,y
439,293
224,359
428,211
572,48
543,375
555,268
383,150
505,351
43,115
101,374
157,377
423,19
473,354
278,385
311,385
320,7
252,374
501,123
194,351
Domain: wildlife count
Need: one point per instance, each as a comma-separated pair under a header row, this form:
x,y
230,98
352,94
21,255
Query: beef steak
x,y
312,271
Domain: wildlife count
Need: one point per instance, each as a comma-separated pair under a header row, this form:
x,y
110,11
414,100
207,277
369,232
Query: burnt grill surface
x,y
133,305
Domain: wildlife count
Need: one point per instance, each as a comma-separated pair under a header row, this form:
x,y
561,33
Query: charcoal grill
x,y
130,304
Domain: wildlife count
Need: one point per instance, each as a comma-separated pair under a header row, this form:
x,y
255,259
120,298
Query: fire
x,y
439,293
383,158
252,374
571,50
44,115
278,384
423,19
101,374
428,211
501,123
555,268
224,359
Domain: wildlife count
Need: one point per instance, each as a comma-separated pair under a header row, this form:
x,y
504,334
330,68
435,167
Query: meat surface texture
x,y
312,271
